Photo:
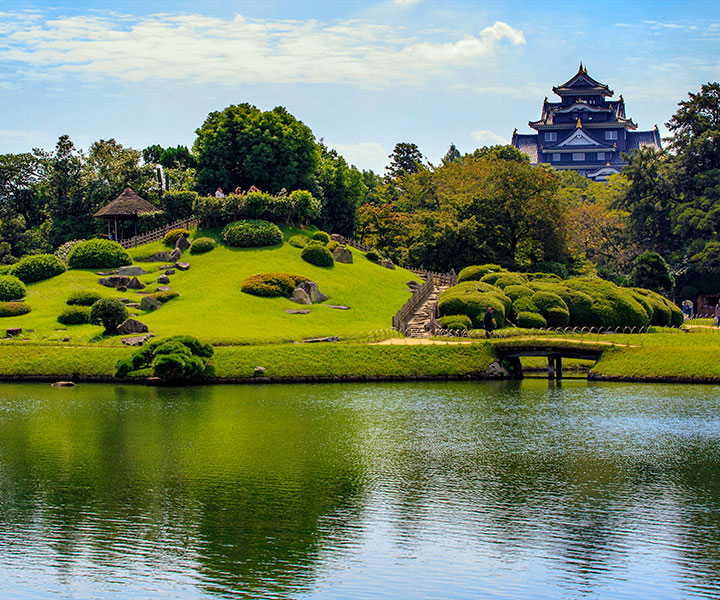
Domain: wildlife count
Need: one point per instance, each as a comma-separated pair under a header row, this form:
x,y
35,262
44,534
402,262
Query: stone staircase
x,y
424,314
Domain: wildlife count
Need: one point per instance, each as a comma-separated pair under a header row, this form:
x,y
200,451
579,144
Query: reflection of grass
x,y
212,307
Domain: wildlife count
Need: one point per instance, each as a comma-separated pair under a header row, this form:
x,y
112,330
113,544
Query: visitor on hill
x,y
489,322
219,193
238,191
717,314
253,189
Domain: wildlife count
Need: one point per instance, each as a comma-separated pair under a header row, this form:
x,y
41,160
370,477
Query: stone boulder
x,y
182,244
157,257
299,296
342,255
336,237
138,340
163,288
131,271
163,279
63,384
312,291
135,284
149,303
183,266
387,263
259,371
114,281
176,254
169,271
13,331
300,311
132,326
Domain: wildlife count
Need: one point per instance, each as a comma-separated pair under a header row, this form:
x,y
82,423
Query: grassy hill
x,y
212,307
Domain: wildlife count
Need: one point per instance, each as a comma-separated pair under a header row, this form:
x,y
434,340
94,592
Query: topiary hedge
x,y
98,254
660,310
531,320
557,316
298,241
270,285
477,272
37,267
514,292
202,245
83,298
110,312
13,309
176,358
251,234
75,315
321,237
472,298
11,288
317,255
172,236
461,322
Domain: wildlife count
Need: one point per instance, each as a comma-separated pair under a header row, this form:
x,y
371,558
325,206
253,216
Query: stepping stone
x,y
131,271
329,338
183,266
138,340
338,306
13,331
163,288
296,312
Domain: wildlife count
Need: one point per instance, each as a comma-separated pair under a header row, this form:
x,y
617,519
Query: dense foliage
x,y
317,254
110,312
98,254
269,285
172,236
175,358
83,298
36,267
251,233
11,288
75,315
202,245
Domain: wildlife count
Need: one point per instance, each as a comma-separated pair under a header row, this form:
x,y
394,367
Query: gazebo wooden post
x,y
116,235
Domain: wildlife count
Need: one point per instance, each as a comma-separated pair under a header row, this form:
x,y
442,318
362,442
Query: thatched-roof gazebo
x,y
127,206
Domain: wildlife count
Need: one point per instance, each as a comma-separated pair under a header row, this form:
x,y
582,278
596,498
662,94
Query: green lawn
x,y
212,307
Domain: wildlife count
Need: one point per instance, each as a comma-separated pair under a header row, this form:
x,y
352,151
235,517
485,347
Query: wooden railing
x,y
354,243
158,234
448,279
402,317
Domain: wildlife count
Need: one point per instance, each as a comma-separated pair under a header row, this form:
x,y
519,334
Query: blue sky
x,y
362,75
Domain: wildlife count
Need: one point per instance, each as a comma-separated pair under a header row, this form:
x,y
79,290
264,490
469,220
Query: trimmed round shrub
x,y
548,276
525,304
298,241
83,298
515,292
507,279
372,256
493,276
37,267
557,317
547,300
660,310
477,272
331,245
172,236
251,234
164,296
472,298
321,237
110,312
98,254
270,285
531,320
11,288
579,304
63,251
462,322
13,309
317,255
75,315
202,245
612,306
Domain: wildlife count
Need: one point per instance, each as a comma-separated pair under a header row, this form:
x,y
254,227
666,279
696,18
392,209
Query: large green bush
x,y
461,322
98,254
531,320
202,245
472,298
110,312
11,288
75,315
251,233
477,272
373,256
557,316
612,306
317,255
172,236
37,267
269,285
660,310
13,309
321,236
175,358
507,279
63,251
298,241
83,298
514,292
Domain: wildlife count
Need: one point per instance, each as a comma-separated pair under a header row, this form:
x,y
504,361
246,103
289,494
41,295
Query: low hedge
x,y
14,309
557,316
298,241
164,296
461,322
317,255
373,256
472,298
75,315
202,245
98,254
270,285
37,267
477,272
251,234
11,288
531,320
172,236
83,298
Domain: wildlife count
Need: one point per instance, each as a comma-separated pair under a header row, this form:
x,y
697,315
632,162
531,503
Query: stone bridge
x,y
512,352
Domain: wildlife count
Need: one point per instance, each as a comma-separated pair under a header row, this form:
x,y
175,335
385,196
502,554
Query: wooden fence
x,y
448,279
158,234
404,315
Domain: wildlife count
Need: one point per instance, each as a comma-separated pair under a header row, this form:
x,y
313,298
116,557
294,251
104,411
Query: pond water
x,y
414,490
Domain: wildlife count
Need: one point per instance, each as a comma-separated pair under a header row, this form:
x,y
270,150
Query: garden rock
x,y
311,289
182,244
13,331
125,300
336,237
133,305
342,255
413,285
259,372
163,288
183,266
330,338
148,303
496,370
135,284
132,326
138,340
291,311
157,257
175,254
387,263
338,306
299,296
163,279
169,271
63,384
114,281
131,271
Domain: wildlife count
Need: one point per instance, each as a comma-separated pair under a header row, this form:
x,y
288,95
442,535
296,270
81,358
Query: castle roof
x,y
581,82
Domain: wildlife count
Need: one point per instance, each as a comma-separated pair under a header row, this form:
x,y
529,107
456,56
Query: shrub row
x,y
37,267
251,233
13,309
269,285
98,254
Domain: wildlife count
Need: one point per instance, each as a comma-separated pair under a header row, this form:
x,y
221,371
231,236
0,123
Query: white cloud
x,y
485,137
365,155
405,2
201,49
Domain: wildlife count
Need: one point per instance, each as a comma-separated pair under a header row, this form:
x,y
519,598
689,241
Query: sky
x,y
363,76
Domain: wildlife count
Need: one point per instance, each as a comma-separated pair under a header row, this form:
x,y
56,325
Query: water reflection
x,y
391,490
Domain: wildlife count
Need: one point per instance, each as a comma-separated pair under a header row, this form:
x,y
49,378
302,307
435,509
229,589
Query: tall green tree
x,y
406,159
244,146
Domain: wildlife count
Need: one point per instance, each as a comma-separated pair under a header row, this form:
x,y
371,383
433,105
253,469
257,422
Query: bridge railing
x,y
402,318
158,234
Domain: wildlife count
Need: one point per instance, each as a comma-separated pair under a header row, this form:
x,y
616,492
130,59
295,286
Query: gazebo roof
x,y
127,204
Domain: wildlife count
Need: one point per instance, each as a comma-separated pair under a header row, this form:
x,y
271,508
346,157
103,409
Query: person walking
x,y
717,314
489,322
